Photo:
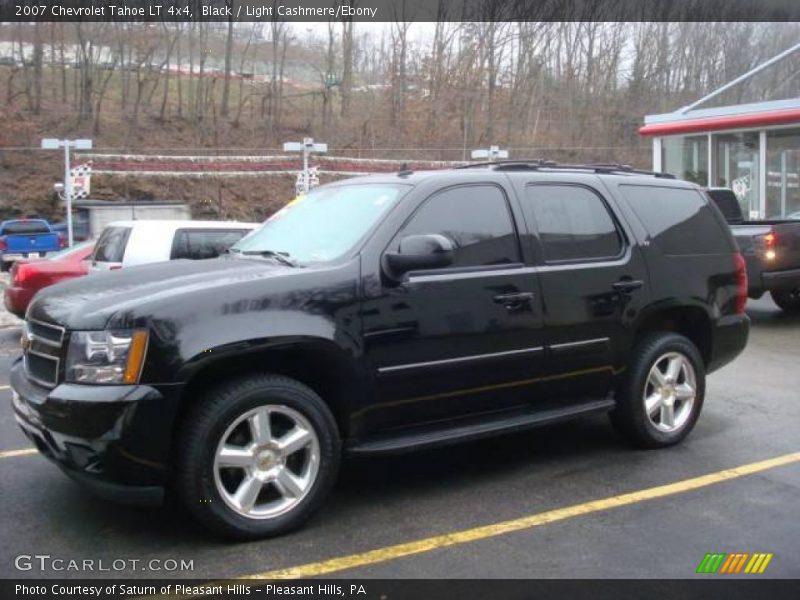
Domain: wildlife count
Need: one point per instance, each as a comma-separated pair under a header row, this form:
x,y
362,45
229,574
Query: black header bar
x,y
709,588
398,10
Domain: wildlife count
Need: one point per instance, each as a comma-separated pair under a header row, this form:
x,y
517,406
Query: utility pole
x,y
55,144
307,146
492,153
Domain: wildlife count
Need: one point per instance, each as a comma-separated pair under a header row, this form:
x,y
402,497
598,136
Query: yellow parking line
x,y
21,452
5,387
456,538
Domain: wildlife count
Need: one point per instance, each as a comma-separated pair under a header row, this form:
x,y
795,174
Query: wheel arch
x,y
318,363
690,321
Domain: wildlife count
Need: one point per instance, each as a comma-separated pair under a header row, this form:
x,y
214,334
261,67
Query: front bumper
x,y
14,257
114,440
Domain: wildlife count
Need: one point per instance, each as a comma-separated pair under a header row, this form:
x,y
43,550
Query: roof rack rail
x,y
620,168
536,164
499,163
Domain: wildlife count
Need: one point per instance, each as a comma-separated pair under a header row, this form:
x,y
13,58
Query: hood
x,y
92,302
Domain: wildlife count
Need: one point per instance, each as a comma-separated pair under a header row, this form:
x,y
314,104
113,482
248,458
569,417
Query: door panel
x,y
461,340
594,281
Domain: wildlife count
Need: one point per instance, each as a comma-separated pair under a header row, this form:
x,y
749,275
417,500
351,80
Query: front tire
x,y
787,300
257,457
661,397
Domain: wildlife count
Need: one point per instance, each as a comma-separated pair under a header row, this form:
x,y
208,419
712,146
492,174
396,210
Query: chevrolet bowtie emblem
x,y
25,339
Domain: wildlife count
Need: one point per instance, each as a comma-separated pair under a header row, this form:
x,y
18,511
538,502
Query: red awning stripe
x,y
761,119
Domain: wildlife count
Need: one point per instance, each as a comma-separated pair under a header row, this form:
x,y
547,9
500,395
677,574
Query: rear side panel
x,y
690,254
593,278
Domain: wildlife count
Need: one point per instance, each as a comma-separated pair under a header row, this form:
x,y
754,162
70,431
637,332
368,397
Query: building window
x,y
737,168
783,173
686,157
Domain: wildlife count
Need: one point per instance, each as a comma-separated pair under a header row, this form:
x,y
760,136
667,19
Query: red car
x,y
27,278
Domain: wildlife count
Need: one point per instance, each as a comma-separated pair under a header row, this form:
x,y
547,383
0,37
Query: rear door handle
x,y
515,300
627,285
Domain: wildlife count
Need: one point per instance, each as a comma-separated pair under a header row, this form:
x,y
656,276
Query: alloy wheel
x,y
266,462
670,392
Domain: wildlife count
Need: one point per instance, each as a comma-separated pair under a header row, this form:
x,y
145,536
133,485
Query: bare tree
x,y
398,74
346,84
226,86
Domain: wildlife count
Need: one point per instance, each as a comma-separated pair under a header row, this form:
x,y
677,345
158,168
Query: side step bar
x,y
475,428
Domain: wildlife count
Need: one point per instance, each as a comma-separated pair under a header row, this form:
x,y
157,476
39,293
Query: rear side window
x,y
197,244
573,223
476,217
679,221
25,227
111,245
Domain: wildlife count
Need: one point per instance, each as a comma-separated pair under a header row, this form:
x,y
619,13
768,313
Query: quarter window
x,y
573,223
477,218
679,220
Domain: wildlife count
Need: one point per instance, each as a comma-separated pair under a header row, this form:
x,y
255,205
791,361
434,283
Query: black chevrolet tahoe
x,y
380,315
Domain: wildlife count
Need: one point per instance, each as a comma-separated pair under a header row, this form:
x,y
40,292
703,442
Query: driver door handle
x,y
627,285
515,300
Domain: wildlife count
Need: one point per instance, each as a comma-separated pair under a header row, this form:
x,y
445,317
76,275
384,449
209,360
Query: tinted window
x,y
728,205
111,245
25,227
199,244
476,218
678,220
573,223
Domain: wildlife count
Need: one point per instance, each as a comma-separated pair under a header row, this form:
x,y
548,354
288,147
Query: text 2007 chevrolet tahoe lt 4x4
x,y
385,314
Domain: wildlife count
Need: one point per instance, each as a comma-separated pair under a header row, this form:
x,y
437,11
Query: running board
x,y
475,428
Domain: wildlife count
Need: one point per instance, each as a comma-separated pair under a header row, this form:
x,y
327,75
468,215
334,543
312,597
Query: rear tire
x,y
257,457
787,300
661,396
5,267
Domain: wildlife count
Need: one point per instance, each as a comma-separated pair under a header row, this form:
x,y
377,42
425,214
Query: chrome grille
x,y
42,350
46,332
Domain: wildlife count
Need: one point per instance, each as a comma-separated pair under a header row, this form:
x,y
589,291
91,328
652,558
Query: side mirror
x,y
419,252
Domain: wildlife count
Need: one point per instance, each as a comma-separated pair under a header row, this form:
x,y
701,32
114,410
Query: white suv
x,y
128,243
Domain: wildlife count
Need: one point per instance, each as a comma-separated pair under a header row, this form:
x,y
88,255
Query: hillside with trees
x,y
413,91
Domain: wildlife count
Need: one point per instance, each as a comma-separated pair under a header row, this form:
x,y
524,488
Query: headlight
x,y
106,356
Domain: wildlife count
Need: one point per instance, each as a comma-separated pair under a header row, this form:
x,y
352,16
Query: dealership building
x,y
753,148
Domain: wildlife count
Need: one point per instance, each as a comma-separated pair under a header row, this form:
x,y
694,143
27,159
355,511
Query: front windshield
x,y
322,225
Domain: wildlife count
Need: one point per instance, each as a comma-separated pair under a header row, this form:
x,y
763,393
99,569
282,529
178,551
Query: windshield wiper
x,y
281,257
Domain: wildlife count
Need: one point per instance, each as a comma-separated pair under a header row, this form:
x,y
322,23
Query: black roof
x,y
549,165
516,166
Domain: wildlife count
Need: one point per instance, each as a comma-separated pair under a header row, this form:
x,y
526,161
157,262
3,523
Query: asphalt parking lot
x,y
515,507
